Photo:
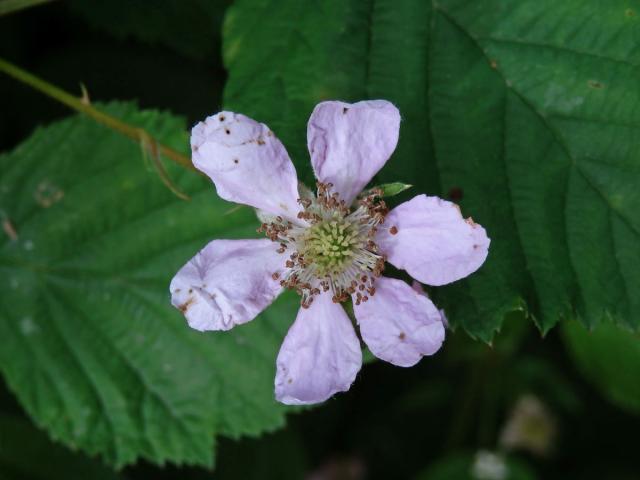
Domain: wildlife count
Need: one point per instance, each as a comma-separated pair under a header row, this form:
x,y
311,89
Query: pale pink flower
x,y
330,247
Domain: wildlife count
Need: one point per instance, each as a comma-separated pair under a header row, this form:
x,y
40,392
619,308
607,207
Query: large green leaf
x,y
90,343
609,358
527,110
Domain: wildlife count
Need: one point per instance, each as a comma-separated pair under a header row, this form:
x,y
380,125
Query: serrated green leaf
x,y
90,344
609,358
522,112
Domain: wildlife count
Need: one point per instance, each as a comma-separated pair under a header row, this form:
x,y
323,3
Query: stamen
x,y
334,250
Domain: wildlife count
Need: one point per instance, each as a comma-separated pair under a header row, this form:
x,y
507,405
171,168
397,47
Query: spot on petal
x,y
185,306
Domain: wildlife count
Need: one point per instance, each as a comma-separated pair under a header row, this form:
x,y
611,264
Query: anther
x,y
335,252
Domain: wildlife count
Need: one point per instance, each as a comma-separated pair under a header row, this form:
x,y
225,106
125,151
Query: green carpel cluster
x,y
330,244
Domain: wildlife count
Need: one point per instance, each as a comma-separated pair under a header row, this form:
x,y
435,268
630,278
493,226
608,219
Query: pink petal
x,y
229,282
320,355
246,162
350,143
429,238
398,324
417,286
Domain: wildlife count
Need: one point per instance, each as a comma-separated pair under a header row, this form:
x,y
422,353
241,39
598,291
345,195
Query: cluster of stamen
x,y
332,248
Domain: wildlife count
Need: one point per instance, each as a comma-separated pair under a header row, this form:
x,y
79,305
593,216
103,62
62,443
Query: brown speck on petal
x,y
402,336
185,306
235,160
393,230
345,110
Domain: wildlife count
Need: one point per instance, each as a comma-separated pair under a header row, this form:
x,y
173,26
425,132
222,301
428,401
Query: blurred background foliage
x,y
523,112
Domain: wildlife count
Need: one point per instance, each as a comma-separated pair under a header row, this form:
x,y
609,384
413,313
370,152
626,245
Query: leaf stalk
x,y
81,104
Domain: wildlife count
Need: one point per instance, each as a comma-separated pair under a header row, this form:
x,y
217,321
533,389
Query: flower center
x,y
331,245
333,249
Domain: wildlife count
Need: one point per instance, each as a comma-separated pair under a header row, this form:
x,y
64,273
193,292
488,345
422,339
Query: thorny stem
x,y
82,105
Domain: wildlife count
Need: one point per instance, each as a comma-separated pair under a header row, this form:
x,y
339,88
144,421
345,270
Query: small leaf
x,y
392,189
